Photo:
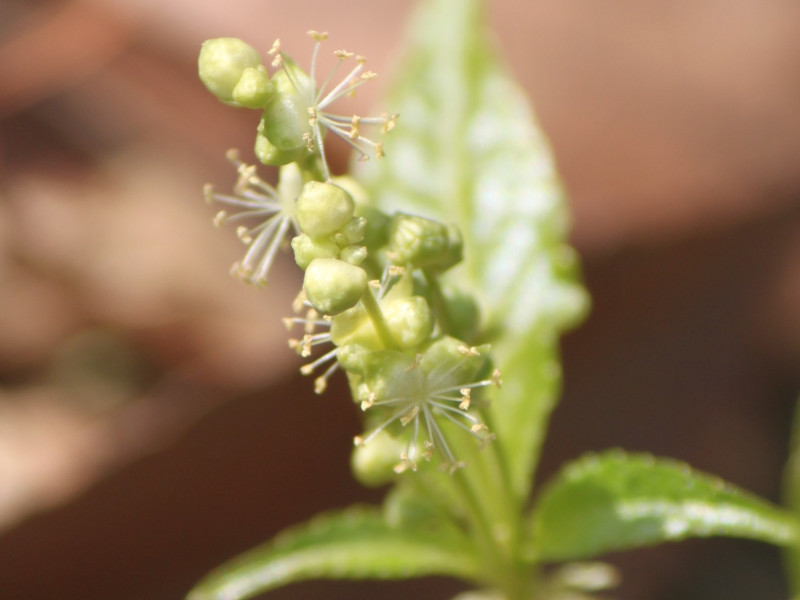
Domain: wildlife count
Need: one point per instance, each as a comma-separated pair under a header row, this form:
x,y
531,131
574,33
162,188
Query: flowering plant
x,y
426,274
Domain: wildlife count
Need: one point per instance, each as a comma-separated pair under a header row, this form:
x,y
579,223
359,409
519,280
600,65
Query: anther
x,y
465,398
319,36
369,401
410,416
496,381
219,218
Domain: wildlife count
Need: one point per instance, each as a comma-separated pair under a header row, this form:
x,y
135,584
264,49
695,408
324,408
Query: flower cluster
x,y
371,288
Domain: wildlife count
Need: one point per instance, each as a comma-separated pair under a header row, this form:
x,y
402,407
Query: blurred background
x,y
152,421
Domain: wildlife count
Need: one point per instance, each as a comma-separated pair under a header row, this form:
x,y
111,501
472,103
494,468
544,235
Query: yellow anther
x,y
468,350
320,385
410,416
299,302
241,233
369,401
354,127
319,36
465,399
343,54
390,123
358,441
496,381
276,47
208,193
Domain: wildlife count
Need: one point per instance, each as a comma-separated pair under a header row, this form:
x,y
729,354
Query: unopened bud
x,y
332,286
410,320
373,463
424,243
286,115
254,89
323,209
306,250
222,62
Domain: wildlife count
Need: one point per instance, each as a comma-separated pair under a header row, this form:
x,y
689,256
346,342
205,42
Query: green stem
x,y
376,316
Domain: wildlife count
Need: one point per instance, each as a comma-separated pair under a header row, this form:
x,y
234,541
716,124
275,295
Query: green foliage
x,y
615,501
354,544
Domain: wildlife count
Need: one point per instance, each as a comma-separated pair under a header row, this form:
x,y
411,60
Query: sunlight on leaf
x,y
615,501
353,544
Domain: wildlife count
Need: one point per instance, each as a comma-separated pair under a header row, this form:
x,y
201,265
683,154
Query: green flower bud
x,y
424,243
268,154
254,89
222,62
354,327
463,314
373,464
352,357
410,321
286,115
332,286
355,255
323,209
353,232
461,362
306,250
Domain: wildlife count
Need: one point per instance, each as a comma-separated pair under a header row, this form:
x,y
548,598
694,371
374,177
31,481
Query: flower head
x,y
309,101
420,395
272,209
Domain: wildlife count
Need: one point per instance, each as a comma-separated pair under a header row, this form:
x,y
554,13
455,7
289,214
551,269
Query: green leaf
x,y
615,501
353,544
467,149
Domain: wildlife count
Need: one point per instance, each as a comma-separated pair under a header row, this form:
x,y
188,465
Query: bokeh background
x,y
152,422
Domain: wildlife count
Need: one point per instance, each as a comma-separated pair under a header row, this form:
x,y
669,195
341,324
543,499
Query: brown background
x,y
151,425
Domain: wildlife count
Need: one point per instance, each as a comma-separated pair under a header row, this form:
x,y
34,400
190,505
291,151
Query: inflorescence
x,y
371,293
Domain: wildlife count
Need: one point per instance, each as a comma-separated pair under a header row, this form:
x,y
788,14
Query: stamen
x,y
465,395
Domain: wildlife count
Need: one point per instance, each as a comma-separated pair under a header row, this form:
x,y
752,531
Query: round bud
x,y
222,62
373,463
286,114
323,209
354,326
410,321
254,88
463,314
423,243
332,286
306,250
268,154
